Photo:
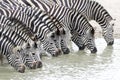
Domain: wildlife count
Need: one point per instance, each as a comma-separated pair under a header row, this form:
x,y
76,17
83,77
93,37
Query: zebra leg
x,y
77,40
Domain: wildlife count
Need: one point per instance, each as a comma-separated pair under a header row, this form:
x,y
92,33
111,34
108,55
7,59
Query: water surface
x,y
79,65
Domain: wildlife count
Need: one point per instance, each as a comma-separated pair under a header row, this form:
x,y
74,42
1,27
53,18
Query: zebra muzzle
x,y
33,66
21,69
39,64
94,50
110,43
58,52
66,51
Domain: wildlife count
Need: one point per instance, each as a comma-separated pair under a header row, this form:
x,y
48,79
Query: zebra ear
x,y
35,45
17,49
26,45
112,22
51,34
63,31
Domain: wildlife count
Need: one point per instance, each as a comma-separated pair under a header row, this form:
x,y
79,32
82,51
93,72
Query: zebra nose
x,y
110,43
82,47
94,50
39,64
21,69
66,51
33,65
57,52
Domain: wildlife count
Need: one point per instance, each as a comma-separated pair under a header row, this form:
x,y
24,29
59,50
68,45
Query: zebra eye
x,y
33,53
51,43
17,57
113,24
55,40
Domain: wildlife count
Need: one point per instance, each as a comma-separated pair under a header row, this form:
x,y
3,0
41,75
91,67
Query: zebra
x,y
93,11
6,48
63,44
39,28
73,20
17,39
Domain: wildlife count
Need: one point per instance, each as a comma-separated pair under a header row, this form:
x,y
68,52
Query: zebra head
x,y
89,40
108,33
35,50
27,56
16,60
65,39
56,37
49,44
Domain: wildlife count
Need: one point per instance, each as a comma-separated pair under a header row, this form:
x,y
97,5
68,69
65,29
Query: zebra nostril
x,y
110,43
21,69
39,64
94,50
66,51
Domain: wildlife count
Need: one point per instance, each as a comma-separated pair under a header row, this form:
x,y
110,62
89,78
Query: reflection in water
x,y
80,65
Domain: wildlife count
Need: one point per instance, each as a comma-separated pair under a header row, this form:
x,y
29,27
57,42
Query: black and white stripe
x,y
73,21
93,11
38,25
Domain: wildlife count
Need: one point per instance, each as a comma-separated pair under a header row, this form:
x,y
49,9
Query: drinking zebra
x,y
37,26
73,20
93,11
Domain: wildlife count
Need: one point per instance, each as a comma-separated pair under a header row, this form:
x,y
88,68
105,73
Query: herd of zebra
x,y
31,27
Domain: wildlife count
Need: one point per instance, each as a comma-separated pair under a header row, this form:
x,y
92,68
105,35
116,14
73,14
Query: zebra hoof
x,y
21,69
82,47
39,64
110,43
67,51
94,50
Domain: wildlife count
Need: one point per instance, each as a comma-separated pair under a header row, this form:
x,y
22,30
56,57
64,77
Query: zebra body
x,y
70,18
93,11
6,48
37,26
17,39
64,47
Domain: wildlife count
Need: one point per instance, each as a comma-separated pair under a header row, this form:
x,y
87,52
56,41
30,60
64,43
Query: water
x,y
80,65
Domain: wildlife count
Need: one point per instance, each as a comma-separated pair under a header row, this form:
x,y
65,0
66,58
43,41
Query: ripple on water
x,y
79,65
